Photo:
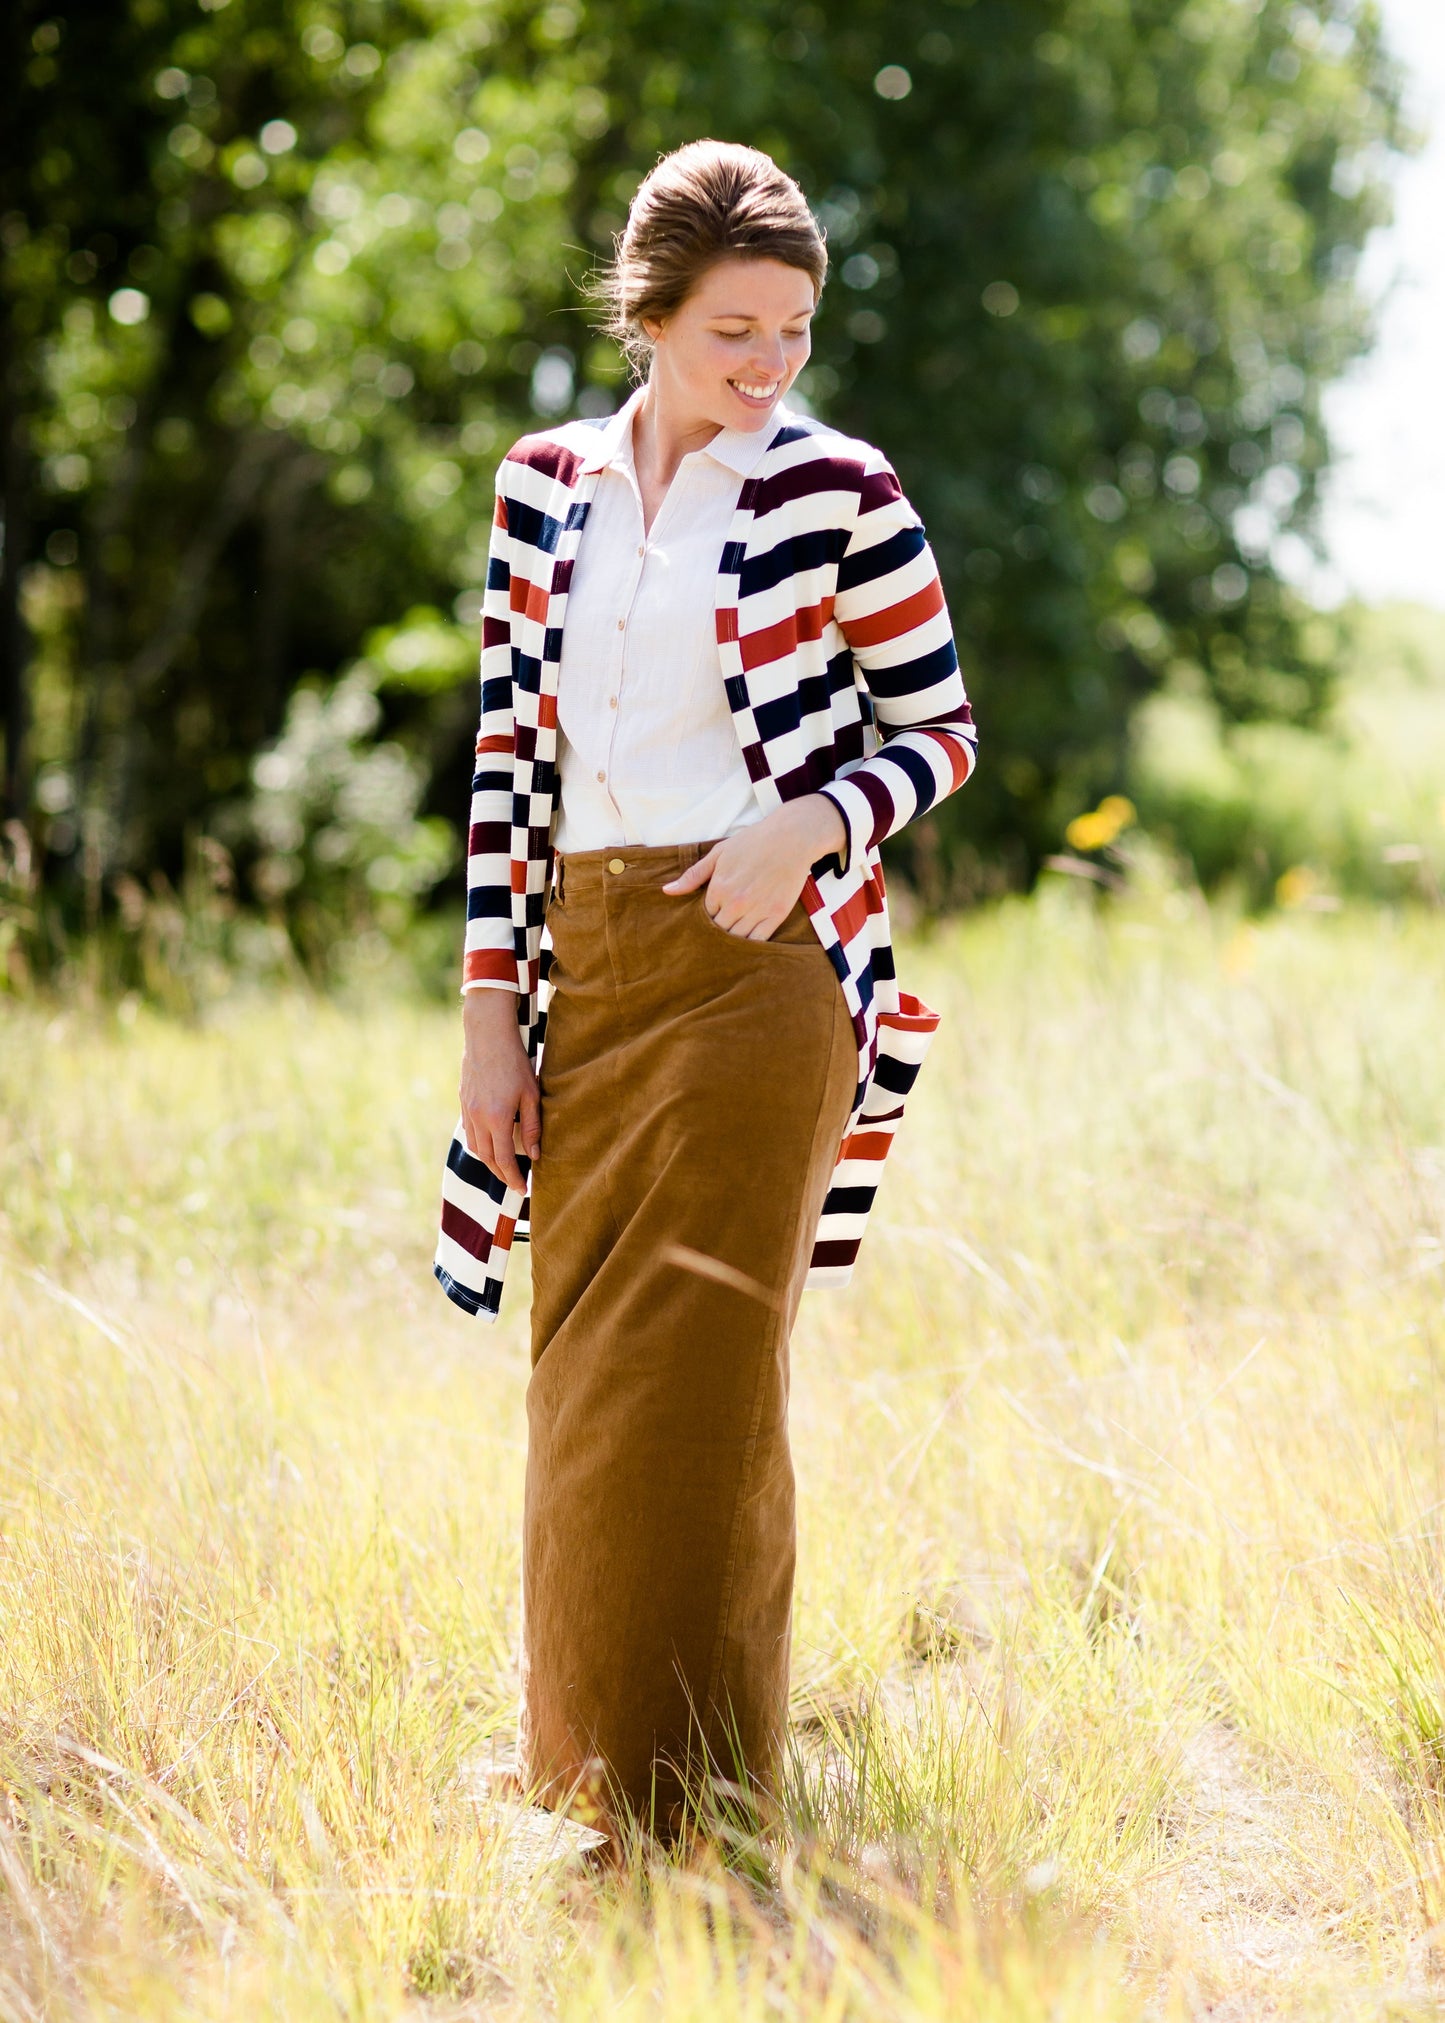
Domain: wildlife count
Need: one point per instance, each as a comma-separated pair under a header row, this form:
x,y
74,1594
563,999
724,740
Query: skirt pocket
x,y
796,933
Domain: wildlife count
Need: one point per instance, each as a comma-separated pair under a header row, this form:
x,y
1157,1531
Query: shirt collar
x,y
614,438
740,450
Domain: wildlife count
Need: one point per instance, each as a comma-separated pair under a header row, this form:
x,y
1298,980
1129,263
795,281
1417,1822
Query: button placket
x,y
619,662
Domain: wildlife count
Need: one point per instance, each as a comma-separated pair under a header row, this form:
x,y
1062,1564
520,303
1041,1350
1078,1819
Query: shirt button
x,y
620,623
612,702
615,865
643,549
602,777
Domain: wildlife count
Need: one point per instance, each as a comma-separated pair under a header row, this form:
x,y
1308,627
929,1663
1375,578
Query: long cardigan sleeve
x,y
890,606
491,956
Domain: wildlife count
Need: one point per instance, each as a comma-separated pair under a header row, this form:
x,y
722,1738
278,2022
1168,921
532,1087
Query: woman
x,y
717,672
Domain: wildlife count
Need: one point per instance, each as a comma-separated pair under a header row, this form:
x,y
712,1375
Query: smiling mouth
x,y
767,391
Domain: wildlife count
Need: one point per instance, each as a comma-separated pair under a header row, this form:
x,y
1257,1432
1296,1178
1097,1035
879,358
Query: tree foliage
x,y
1096,261
280,279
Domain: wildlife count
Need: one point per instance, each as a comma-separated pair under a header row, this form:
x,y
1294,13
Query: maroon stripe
x,y
496,631
880,488
879,800
460,1227
539,454
834,1253
825,474
817,770
489,839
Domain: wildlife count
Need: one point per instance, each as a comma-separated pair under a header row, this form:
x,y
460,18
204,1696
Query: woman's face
x,y
736,345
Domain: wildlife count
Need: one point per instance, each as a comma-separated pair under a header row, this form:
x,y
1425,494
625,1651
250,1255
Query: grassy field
x,y
1120,1659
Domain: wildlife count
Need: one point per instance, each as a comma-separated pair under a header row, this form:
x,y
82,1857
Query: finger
x,y
504,1160
529,1128
479,1143
695,874
737,917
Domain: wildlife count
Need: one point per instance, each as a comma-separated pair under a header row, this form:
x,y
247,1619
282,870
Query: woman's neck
x,y
661,437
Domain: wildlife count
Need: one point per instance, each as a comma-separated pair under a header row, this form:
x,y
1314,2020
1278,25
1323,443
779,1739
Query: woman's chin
x,y
750,414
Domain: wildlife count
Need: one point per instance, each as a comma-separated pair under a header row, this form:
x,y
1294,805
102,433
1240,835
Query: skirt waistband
x,y
629,866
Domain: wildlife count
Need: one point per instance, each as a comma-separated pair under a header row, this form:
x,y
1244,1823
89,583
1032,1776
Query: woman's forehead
x,y
743,287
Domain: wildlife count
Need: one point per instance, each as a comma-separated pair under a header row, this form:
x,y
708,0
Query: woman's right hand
x,y
501,1103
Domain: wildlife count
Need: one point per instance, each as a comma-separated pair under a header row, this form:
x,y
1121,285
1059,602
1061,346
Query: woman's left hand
x,y
755,877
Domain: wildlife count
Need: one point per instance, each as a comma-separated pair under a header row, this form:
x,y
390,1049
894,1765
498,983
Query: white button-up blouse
x,y
647,748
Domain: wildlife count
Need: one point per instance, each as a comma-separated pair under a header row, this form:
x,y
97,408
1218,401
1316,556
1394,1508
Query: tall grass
x,y
1120,1641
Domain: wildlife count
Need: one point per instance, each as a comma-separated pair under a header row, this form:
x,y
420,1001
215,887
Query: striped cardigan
x,y
838,662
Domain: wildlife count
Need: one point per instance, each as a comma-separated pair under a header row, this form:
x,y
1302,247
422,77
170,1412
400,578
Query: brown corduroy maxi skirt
x,y
695,1089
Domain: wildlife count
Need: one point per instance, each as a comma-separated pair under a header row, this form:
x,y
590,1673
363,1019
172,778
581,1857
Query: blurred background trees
x,y
282,278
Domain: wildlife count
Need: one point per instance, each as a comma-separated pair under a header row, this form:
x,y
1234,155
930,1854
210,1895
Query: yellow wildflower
x,y
1097,830
1295,886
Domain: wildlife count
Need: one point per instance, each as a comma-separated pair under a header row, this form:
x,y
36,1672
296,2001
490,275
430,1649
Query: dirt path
x,y
1252,1905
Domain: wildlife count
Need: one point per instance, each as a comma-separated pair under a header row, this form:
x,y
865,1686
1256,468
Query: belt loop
x,y
559,879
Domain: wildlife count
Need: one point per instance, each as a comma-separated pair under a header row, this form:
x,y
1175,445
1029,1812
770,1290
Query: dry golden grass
x,y
1120,1649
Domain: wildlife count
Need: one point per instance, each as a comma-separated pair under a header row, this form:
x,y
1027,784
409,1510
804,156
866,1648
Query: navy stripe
x,y
790,558
488,902
473,1171
492,782
811,697
487,1301
849,1200
776,718
496,693
815,693
843,673
897,1077
532,527
920,774
912,675
881,559
499,573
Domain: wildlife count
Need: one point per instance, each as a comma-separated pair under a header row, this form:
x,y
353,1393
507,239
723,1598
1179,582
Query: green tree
x,y
279,280
271,276
1093,268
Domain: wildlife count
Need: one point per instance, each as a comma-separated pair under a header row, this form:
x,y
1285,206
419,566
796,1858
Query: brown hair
x,y
705,202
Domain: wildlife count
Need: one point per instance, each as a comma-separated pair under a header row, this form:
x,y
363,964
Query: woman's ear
x,y
651,329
